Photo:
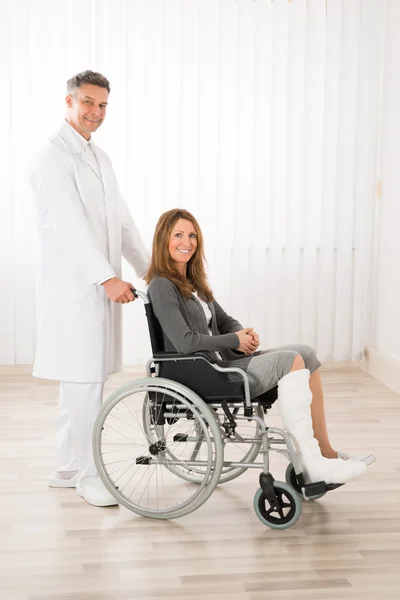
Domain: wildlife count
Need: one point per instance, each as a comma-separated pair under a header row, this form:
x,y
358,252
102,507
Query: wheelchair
x,y
163,443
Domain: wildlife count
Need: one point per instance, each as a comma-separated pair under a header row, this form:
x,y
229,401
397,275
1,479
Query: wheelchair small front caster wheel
x,y
286,511
291,479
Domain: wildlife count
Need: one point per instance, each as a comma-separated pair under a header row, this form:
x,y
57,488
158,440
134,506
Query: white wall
x,y
382,359
258,116
388,280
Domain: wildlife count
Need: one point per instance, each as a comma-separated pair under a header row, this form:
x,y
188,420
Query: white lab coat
x,y
84,226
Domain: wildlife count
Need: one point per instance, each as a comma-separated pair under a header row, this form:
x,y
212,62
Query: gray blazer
x,y
185,328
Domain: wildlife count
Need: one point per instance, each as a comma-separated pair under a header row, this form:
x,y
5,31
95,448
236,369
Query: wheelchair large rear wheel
x,y
138,464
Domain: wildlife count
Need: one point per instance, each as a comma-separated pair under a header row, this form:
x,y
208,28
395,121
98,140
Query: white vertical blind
x,y
260,117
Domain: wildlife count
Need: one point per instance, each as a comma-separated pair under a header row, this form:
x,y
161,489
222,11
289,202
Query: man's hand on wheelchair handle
x,y
119,291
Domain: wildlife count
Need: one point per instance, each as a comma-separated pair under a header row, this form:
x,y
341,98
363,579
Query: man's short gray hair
x,y
87,77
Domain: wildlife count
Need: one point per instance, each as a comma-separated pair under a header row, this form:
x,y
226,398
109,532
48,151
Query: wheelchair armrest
x,y
206,379
178,355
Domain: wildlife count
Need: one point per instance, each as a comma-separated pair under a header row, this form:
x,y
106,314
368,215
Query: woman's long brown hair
x,y
162,265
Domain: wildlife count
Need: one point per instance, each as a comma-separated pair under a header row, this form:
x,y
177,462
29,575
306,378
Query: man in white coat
x,y
84,227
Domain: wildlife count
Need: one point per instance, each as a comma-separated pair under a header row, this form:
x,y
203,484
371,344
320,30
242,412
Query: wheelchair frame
x,y
271,499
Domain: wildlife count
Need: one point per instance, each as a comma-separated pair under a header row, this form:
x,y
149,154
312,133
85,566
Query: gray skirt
x,y
267,367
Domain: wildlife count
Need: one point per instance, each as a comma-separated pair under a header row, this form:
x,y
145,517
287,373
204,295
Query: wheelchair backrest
x,y
155,331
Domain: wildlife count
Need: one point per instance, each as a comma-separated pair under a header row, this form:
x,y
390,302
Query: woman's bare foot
x,y
329,453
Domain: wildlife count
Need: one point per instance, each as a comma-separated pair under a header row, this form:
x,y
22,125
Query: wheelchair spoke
x,y
133,474
123,435
122,474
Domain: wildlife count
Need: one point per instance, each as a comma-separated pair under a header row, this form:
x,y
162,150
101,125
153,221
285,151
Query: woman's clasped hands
x,y
249,341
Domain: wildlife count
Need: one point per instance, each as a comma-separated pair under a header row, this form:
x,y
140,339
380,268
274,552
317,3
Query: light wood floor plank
x,y
53,546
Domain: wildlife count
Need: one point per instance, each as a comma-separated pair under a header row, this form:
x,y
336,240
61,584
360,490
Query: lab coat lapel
x,y
77,146
111,200
88,159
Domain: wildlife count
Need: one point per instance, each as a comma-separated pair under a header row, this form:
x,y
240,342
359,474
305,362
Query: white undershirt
x,y
207,311
208,315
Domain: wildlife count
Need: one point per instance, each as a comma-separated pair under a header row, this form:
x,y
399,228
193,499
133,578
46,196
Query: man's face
x,y
87,108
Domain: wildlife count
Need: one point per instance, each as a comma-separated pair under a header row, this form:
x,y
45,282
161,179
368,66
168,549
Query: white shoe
x,y
368,459
93,490
59,482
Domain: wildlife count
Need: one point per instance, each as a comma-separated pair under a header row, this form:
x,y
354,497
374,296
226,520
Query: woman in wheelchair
x,y
193,321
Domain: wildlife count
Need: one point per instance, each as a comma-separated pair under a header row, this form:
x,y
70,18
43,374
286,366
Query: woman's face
x,y
182,243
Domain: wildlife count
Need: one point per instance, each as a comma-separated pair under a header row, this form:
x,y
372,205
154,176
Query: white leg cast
x,y
294,400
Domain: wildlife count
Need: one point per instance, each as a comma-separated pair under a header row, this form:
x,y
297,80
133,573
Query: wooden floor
x,y
54,546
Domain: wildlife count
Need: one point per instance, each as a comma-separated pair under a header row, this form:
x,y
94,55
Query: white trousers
x,y
79,406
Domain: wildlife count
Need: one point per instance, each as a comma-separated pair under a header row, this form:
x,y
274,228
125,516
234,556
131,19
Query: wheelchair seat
x,y
196,370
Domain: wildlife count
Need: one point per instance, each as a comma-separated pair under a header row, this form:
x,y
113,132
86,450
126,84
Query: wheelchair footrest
x,y
315,489
320,487
180,437
143,460
333,486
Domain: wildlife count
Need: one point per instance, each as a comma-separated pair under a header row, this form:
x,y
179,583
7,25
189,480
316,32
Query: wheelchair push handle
x,y
139,294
